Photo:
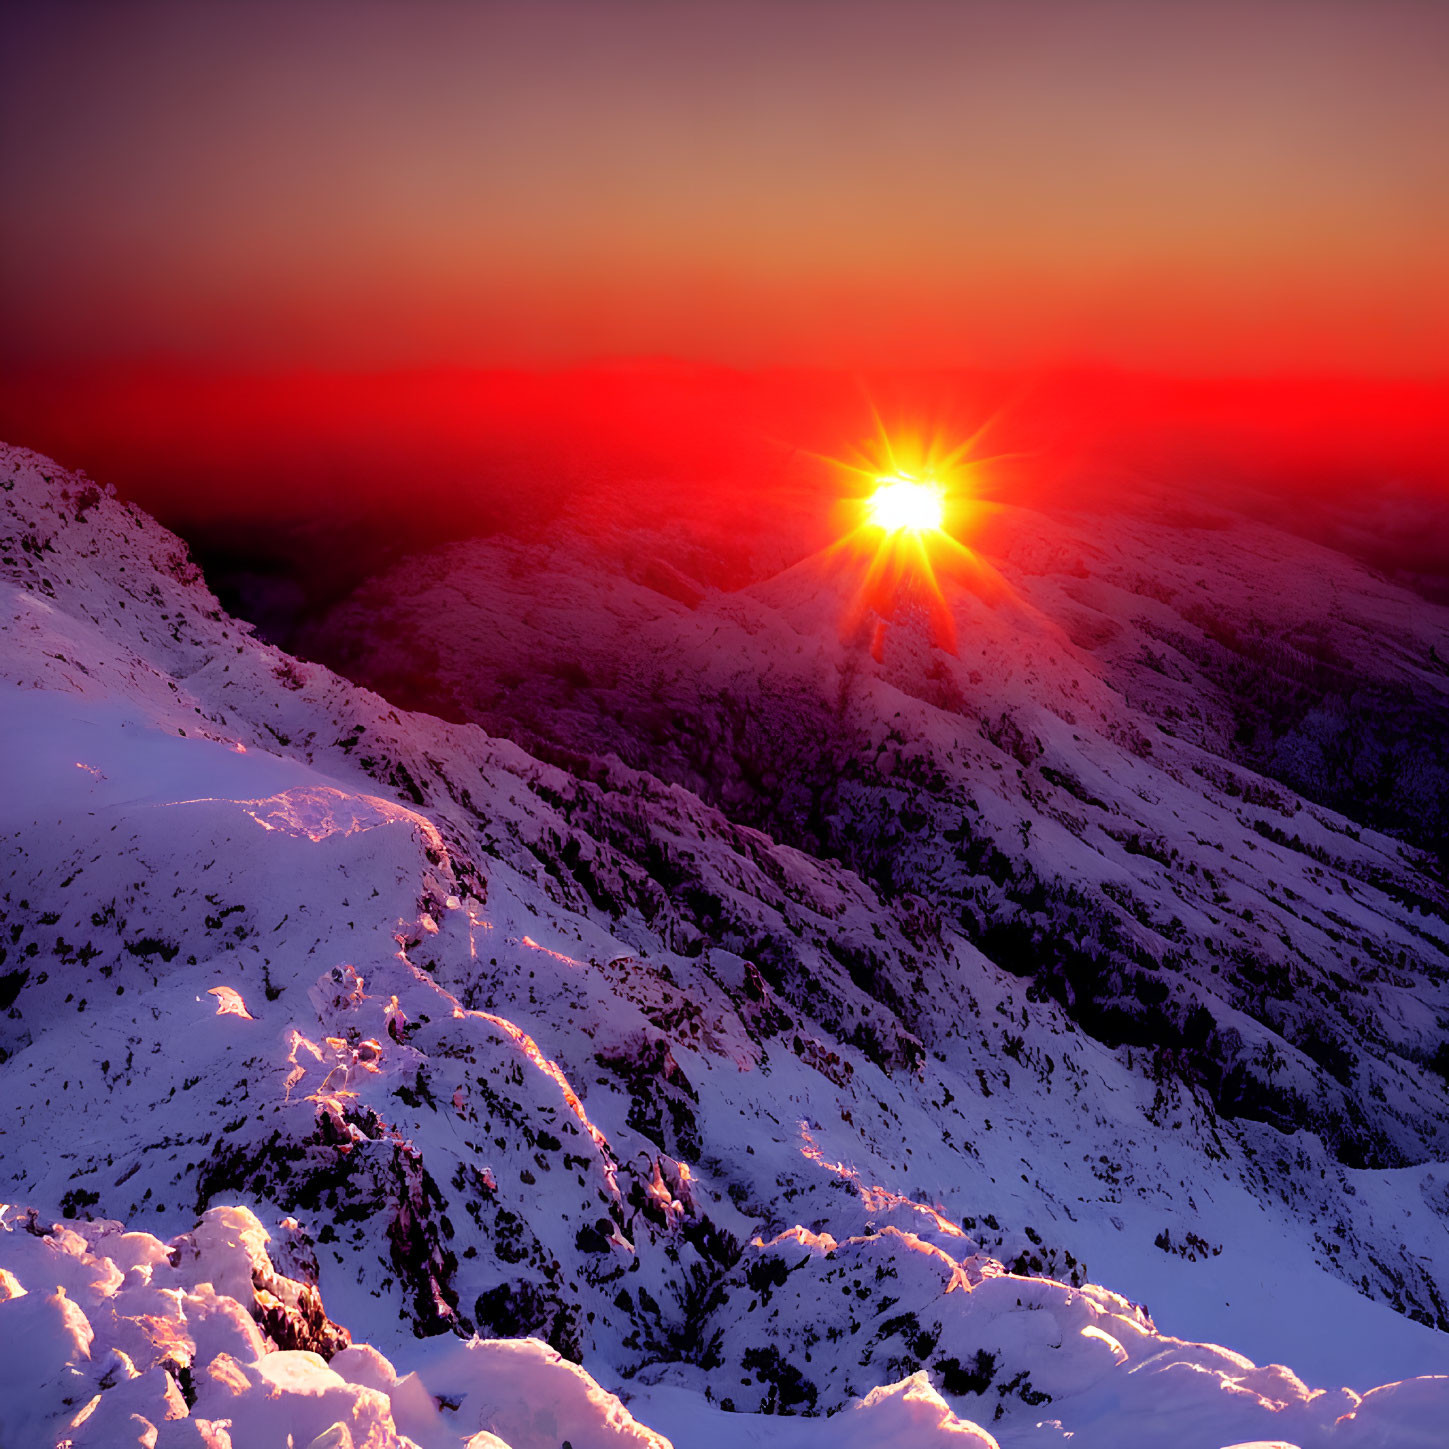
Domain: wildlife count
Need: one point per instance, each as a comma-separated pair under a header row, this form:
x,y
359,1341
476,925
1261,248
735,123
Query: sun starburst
x,y
913,502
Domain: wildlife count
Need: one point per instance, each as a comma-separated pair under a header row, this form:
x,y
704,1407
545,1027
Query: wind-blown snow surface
x,y
493,1047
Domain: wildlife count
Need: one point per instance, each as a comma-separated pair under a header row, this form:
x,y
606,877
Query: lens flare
x,y
913,503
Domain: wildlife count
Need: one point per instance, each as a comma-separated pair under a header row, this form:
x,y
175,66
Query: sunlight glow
x,y
915,498
902,502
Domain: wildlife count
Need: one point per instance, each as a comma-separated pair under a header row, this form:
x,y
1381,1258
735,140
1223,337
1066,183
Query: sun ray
x,y
965,449
864,471
881,431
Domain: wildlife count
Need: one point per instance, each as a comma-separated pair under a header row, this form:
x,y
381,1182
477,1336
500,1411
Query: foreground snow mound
x,y
113,1338
1038,1361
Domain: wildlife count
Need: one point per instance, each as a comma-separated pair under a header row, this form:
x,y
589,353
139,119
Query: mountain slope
x,y
521,1048
1153,800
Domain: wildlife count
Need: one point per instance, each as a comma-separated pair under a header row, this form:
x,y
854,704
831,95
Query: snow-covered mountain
x,y
1152,783
790,1033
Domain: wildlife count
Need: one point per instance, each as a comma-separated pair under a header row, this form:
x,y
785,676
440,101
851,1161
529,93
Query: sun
x,y
903,504
914,499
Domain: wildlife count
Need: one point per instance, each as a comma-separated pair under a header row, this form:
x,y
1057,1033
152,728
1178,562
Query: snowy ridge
x,y
496,1047
1107,816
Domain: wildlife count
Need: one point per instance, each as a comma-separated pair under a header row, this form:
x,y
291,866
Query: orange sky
x,y
1211,188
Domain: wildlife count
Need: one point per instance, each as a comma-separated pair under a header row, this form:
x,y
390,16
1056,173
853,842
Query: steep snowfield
x,y
493,1046
1094,791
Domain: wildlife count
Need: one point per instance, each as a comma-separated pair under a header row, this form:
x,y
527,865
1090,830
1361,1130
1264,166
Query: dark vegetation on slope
x,y
808,771
1367,748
